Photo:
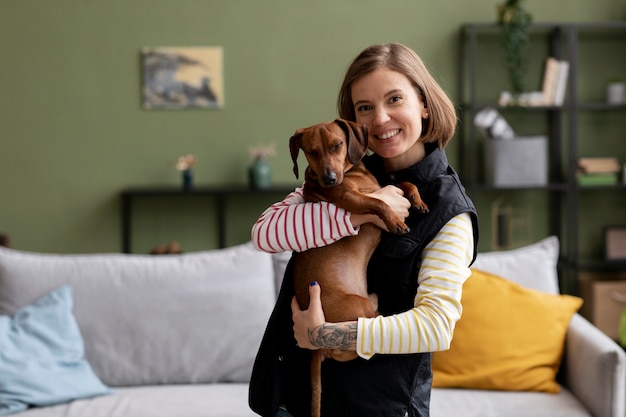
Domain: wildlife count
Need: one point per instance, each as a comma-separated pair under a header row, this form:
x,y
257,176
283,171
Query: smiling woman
x,y
417,276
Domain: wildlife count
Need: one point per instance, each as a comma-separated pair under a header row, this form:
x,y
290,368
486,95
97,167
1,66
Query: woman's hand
x,y
306,323
311,330
390,195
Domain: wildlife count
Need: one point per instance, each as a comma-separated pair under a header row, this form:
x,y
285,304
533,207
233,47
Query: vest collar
x,y
431,166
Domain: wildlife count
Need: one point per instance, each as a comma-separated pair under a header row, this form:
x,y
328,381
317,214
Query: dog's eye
x,y
311,152
337,146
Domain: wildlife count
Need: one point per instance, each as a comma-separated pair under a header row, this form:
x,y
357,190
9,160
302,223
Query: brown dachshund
x,y
335,173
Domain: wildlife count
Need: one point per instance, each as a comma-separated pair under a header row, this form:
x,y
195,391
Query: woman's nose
x,y
380,117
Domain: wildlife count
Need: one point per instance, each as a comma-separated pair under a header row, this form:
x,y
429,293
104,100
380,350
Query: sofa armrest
x,y
595,369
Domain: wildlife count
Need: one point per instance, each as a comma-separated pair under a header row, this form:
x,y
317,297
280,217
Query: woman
x,y
418,277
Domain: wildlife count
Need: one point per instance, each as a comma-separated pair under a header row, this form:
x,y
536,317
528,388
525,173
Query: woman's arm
x,y
295,225
425,328
429,325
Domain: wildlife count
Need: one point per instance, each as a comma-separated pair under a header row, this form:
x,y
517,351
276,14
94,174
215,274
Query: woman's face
x,y
387,103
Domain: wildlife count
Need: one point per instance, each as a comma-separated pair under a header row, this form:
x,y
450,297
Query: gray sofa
x,y
176,335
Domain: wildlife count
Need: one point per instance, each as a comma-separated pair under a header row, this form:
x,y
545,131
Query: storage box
x,y
522,161
604,297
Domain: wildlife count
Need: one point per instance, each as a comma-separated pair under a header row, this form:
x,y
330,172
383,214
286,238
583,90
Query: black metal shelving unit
x,y
562,41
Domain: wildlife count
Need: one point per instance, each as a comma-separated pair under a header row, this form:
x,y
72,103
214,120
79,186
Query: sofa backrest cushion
x,y
190,318
533,266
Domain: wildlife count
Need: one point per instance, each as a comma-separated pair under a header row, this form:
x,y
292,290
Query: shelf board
x,y
547,187
481,105
601,106
590,106
601,187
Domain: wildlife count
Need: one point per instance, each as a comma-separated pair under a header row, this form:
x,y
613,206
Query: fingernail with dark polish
x,y
313,283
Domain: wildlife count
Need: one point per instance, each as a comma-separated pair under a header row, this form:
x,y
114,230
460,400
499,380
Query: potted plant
x,y
515,21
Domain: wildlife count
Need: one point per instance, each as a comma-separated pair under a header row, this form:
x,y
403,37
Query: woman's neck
x,y
412,156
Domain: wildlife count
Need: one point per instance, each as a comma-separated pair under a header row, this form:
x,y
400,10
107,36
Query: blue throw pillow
x,y
41,356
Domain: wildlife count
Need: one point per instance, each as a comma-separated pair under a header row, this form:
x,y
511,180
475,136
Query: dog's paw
x,y
401,230
421,207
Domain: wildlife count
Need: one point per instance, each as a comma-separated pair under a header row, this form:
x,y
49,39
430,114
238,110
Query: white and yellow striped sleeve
x,y
429,325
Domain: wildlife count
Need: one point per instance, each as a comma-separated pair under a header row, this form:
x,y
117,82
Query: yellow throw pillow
x,y
508,338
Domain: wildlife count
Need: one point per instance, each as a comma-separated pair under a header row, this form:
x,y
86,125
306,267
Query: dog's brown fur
x,y
336,174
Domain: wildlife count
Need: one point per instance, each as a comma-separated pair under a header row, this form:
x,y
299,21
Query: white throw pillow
x,y
533,266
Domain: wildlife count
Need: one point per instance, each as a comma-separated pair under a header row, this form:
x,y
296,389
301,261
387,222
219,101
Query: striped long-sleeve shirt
x,y
294,224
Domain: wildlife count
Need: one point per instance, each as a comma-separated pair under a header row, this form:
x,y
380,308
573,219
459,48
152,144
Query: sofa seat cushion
x,y
201,400
450,402
172,319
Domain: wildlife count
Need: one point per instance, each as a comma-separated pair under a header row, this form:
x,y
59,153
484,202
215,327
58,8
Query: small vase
x,y
260,174
187,179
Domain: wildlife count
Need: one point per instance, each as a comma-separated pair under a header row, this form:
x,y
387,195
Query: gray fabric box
x,y
522,161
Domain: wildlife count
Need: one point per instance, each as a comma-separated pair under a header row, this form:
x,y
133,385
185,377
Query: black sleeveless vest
x,y
385,385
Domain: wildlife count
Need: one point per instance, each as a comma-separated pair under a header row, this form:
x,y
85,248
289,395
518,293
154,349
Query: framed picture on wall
x,y
615,243
182,77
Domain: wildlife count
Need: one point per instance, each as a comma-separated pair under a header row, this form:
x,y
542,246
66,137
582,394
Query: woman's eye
x,y
395,99
364,108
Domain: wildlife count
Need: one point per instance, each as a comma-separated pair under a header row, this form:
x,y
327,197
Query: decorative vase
x,y
260,174
187,179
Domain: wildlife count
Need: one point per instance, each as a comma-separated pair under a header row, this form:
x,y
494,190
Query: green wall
x,y
73,133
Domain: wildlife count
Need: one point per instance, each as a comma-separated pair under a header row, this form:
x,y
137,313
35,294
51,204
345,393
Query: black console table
x,y
221,194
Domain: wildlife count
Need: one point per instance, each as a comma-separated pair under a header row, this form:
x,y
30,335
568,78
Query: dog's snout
x,y
330,179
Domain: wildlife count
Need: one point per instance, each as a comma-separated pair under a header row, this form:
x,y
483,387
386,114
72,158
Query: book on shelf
x,y
597,179
550,75
607,165
554,84
561,83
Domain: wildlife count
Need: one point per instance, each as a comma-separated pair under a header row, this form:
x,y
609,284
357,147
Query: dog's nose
x,y
330,179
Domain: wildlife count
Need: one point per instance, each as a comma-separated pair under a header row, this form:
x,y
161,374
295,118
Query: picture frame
x,y
182,77
615,243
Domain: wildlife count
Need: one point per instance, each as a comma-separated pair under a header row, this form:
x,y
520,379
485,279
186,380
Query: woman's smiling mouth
x,y
388,134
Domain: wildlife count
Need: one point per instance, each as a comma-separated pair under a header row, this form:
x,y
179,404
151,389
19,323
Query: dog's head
x,y
331,148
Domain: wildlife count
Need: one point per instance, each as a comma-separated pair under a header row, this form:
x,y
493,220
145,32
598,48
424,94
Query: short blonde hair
x,y
442,119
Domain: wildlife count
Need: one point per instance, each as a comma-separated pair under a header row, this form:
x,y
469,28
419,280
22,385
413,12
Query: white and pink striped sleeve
x,y
295,225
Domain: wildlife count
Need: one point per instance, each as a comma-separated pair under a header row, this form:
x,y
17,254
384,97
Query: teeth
x,y
389,134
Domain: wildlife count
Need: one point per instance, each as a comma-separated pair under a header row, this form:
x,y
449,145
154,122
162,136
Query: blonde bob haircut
x,y
442,119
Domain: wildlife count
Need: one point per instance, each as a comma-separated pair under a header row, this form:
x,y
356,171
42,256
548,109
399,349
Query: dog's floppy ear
x,y
356,134
295,143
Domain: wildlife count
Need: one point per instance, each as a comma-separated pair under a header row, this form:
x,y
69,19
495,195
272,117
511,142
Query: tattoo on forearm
x,y
331,336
